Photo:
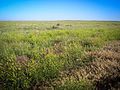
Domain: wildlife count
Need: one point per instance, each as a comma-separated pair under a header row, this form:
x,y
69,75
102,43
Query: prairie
x,y
59,55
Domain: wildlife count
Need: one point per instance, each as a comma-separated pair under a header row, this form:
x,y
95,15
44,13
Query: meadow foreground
x,y
60,55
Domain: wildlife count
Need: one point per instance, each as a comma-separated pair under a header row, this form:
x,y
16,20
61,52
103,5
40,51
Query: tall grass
x,y
31,57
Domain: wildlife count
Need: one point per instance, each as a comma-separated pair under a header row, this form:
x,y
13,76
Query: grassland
x,y
59,55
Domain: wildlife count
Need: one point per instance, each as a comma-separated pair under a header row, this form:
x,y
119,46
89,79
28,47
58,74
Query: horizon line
x,y
61,20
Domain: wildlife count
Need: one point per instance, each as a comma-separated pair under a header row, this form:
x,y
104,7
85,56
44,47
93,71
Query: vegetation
x,y
58,55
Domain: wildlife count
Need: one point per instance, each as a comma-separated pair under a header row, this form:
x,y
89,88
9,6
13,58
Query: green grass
x,y
49,51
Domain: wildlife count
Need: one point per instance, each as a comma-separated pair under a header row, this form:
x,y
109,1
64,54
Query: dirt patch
x,y
22,59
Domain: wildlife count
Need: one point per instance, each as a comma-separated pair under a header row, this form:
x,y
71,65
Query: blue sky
x,y
60,10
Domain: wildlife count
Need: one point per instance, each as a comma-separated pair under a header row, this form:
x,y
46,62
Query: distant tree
x,y
58,24
54,27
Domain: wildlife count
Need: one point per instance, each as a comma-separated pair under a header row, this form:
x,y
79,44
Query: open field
x,y
60,55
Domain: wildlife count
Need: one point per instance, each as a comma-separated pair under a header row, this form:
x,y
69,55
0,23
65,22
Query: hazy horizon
x,y
52,10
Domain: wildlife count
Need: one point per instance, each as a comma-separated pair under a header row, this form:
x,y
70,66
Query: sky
x,y
60,10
